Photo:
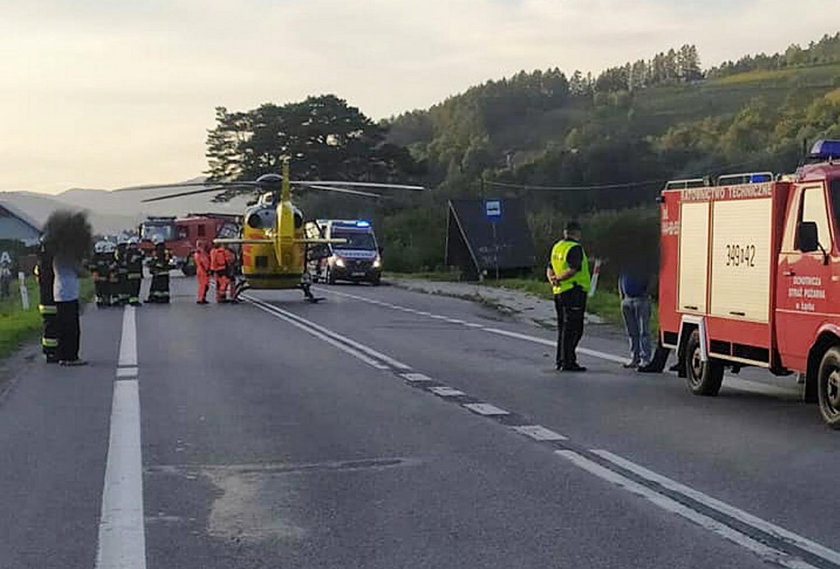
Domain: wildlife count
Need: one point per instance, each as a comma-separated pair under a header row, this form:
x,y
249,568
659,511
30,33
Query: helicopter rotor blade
x,y
343,191
372,185
187,185
190,193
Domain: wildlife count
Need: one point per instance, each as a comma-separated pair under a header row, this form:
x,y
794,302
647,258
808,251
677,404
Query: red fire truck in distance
x,y
750,276
180,235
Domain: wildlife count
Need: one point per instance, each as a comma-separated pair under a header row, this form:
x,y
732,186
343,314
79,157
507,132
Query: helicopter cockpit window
x,y
262,219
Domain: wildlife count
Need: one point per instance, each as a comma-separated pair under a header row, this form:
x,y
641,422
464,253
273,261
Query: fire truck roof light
x,y
362,223
746,178
826,149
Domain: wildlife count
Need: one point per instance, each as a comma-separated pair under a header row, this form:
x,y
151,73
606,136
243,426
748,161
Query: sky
x,y
112,93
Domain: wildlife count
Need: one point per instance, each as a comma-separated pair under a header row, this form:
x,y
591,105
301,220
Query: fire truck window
x,y
182,232
202,230
834,192
813,209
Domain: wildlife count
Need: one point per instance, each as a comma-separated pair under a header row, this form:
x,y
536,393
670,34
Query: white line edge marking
x,y
122,534
127,372
764,551
327,332
740,515
128,341
324,337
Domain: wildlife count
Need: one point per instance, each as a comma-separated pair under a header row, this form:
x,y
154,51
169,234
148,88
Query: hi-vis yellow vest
x,y
559,265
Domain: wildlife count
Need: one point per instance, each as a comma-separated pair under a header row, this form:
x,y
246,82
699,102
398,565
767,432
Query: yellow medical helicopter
x,y
274,246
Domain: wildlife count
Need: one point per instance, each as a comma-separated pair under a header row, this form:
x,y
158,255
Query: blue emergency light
x,y
760,178
362,223
826,150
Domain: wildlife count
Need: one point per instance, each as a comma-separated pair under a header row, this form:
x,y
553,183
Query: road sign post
x,y
493,213
24,293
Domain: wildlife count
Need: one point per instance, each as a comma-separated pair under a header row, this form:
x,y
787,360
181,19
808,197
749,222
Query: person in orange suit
x,y
218,266
202,271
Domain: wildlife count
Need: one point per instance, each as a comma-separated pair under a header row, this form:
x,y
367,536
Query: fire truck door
x,y
804,278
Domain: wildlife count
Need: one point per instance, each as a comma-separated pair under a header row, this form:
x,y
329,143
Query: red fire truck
x,y
181,234
750,276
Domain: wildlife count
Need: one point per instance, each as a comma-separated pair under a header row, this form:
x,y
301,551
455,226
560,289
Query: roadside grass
x,y
18,326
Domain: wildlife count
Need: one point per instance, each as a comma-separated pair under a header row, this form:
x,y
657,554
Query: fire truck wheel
x,y
829,387
704,378
188,270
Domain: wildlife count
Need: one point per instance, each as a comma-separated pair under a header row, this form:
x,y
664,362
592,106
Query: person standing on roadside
x,y
218,267
634,289
159,267
568,273
202,271
5,279
71,238
46,302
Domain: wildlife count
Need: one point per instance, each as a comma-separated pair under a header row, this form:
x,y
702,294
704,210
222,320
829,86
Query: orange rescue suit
x,y
218,265
202,272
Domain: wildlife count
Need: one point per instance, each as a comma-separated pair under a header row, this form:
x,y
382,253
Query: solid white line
x,y
326,331
320,336
122,538
764,551
128,342
740,515
127,372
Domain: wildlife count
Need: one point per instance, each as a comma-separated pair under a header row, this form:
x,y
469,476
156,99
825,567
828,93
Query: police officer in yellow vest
x,y
568,273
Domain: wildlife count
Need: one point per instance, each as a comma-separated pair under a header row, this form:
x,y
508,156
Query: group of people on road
x,y
117,272
569,274
220,263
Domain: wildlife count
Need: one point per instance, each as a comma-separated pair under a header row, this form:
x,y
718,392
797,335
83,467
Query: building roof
x,y
21,216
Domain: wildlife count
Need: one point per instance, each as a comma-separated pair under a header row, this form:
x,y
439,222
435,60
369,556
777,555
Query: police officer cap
x,y
573,226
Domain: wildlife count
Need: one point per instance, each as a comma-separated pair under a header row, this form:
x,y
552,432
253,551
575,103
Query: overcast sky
x,y
108,93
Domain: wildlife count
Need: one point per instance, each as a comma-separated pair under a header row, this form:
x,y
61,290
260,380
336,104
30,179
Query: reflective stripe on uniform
x,y
49,342
47,309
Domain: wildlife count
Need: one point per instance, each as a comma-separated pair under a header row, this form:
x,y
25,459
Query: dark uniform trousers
x,y
570,306
67,323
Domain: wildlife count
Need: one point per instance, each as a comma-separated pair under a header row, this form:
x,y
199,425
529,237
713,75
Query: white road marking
x,y
356,354
122,537
416,377
444,391
740,515
326,331
127,372
539,433
485,409
128,342
764,551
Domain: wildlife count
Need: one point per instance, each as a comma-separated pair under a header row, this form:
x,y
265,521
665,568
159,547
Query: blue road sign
x,y
493,209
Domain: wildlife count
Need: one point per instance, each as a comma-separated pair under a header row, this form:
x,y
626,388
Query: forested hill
x,y
641,122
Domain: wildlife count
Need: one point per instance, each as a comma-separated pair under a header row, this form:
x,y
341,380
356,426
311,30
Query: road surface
x,y
389,429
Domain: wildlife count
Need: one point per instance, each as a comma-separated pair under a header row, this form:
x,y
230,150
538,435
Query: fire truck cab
x,y
750,276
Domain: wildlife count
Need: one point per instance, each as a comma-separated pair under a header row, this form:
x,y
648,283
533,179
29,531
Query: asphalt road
x,y
383,428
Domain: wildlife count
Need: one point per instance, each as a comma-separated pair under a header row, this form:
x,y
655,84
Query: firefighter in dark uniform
x,y
119,275
134,264
568,273
46,304
159,290
100,269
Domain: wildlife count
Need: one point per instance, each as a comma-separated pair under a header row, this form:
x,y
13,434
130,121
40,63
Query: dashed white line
x,y
128,342
127,372
415,377
539,433
122,537
444,391
485,409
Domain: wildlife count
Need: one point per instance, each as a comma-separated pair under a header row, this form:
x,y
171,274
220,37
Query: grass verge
x,y
18,326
